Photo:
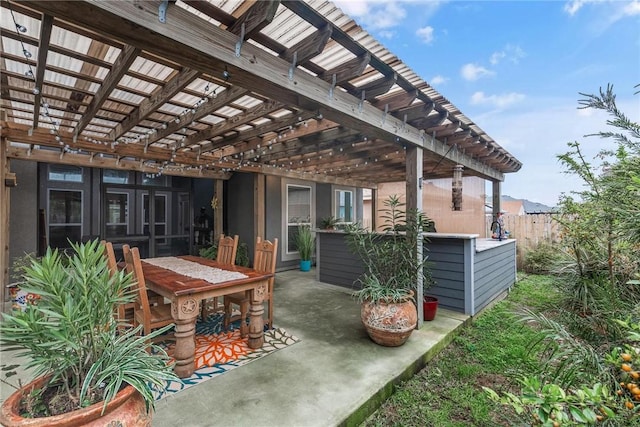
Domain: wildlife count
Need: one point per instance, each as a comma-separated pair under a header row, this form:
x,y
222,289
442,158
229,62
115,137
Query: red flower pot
x,y
429,307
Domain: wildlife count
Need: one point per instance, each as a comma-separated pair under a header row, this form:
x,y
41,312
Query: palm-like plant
x,y
72,337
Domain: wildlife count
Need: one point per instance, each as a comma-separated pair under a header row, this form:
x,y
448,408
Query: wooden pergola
x,y
211,88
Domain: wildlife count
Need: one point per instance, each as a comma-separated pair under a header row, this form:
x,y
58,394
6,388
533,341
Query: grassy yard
x,y
492,352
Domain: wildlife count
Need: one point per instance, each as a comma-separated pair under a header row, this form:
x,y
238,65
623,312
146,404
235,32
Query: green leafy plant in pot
x,y
305,242
392,271
329,222
89,368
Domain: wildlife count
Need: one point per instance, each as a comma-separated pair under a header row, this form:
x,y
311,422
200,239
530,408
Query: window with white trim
x,y
299,211
344,205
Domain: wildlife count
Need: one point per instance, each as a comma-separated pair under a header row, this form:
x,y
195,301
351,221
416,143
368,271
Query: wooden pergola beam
x,y
347,71
222,99
157,99
258,16
181,39
43,49
119,69
309,47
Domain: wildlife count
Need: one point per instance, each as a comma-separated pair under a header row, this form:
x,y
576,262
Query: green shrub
x,y
541,259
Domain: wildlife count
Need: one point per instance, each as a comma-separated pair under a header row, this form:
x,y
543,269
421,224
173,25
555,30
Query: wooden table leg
x,y
185,314
256,322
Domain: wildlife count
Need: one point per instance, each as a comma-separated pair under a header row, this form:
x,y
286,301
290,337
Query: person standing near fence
x,y
497,227
500,226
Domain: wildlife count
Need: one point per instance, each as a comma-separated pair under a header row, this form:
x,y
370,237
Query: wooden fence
x,y
529,230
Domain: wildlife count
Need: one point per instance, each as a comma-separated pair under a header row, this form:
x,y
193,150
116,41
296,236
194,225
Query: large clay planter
x,y
389,324
127,409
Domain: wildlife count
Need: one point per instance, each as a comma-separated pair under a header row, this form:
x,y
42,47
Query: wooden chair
x,y
264,261
150,316
227,250
123,309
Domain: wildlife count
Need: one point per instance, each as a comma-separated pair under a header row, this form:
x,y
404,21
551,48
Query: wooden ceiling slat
x,y
258,16
396,101
43,48
376,87
347,71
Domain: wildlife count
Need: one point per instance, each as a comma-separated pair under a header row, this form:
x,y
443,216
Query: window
x,y
155,180
115,176
344,208
65,217
298,212
117,214
66,173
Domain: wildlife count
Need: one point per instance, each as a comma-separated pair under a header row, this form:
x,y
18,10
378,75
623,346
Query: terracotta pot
x,y
389,324
429,307
127,409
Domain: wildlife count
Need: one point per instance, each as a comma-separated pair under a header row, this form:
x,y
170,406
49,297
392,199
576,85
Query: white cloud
x,y
497,57
425,34
386,34
474,72
632,9
374,15
497,101
572,7
513,53
437,80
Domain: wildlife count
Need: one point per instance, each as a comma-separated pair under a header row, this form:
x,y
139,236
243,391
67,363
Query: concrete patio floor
x,y
334,376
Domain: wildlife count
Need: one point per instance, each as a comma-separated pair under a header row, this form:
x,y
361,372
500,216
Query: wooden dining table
x,y
187,293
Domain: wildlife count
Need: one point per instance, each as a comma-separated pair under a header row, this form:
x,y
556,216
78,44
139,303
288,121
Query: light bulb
x,y
27,54
21,28
35,91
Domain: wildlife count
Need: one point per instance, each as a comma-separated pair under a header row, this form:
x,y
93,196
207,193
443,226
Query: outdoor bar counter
x,y
469,272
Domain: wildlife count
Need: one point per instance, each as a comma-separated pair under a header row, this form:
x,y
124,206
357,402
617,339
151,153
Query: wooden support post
x,y
259,205
4,220
218,213
496,199
414,201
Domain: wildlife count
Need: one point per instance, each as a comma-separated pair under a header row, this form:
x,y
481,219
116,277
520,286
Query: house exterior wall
x,y
436,204
23,230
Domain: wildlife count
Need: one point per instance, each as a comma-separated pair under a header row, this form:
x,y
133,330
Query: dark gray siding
x,y
446,260
274,214
323,202
494,271
338,265
23,232
239,209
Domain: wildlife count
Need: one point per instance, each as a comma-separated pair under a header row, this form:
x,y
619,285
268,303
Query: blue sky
x,y
517,68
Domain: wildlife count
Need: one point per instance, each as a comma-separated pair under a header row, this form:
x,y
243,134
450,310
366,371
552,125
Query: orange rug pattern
x,y
219,351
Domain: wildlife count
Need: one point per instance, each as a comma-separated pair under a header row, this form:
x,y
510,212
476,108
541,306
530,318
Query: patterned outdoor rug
x,y
219,351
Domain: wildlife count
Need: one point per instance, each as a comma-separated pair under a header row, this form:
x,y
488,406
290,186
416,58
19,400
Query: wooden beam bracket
x,y
292,67
10,179
162,11
240,41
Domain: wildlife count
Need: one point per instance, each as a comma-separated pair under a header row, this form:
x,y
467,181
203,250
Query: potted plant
x,y
329,222
305,242
391,273
89,369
